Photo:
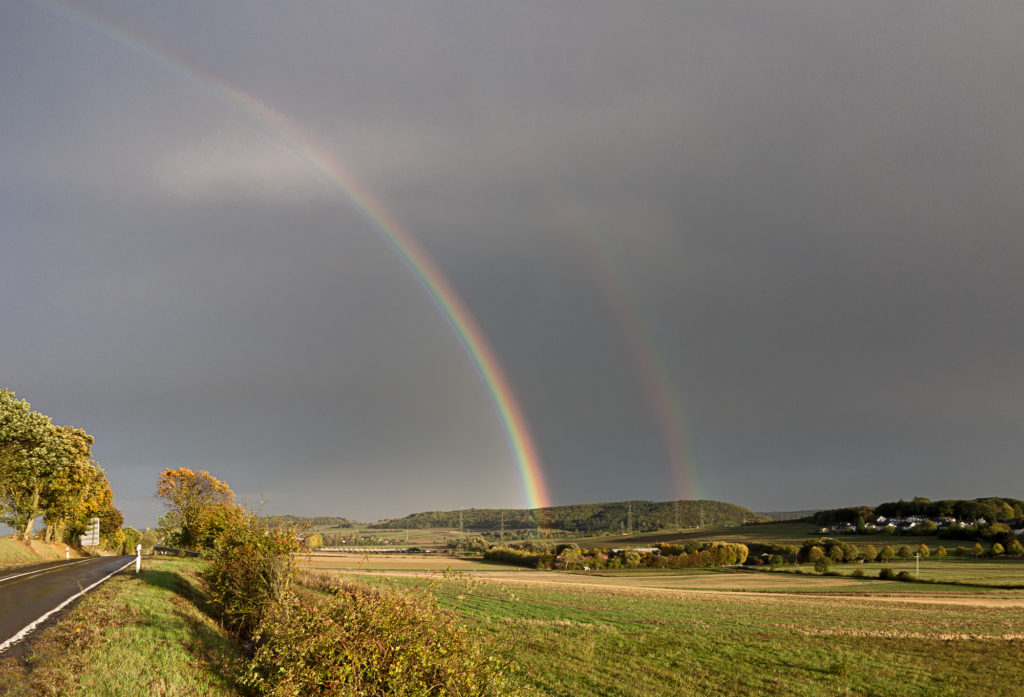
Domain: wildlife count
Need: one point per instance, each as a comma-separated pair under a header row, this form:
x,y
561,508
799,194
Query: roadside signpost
x,y
91,537
138,557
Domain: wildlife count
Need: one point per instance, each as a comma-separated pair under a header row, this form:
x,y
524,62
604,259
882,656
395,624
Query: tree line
x,y
545,555
991,509
47,472
587,518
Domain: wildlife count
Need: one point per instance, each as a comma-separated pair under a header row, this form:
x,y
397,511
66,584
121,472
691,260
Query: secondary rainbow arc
x,y
655,379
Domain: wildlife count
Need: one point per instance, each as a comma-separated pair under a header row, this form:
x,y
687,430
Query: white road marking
x,y
25,632
48,568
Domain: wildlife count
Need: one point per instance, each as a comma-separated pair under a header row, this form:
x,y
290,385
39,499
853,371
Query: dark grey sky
x,y
802,221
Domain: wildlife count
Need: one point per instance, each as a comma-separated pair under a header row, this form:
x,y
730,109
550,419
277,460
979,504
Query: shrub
x,y
132,537
251,567
148,541
887,574
364,641
821,566
512,555
858,573
997,549
904,576
905,552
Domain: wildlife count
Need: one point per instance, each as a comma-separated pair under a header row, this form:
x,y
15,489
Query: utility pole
x,y
917,564
503,524
629,521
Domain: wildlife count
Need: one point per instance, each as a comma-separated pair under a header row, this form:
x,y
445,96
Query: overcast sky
x,y
799,222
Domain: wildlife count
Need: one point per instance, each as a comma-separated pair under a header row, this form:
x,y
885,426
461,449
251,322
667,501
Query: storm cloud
x,y
811,212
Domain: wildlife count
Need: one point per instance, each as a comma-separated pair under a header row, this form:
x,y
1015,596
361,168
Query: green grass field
x,y
596,640
995,572
631,633
744,632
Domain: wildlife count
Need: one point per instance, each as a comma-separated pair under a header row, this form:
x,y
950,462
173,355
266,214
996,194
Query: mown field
x,y
704,632
328,561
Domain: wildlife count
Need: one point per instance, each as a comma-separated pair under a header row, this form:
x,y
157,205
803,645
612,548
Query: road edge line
x,y
28,629
43,570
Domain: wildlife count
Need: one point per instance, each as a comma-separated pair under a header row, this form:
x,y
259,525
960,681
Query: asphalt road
x,y
31,594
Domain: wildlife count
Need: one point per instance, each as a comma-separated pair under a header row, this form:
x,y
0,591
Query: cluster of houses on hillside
x,y
915,523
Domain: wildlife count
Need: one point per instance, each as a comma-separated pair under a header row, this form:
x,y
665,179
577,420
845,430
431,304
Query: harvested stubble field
x,y
336,561
645,634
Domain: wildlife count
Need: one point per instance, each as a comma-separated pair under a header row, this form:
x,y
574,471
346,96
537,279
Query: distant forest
x,y
991,509
789,515
324,521
616,517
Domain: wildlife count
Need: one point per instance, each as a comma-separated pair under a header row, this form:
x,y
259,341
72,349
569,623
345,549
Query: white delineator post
x,y
138,557
67,552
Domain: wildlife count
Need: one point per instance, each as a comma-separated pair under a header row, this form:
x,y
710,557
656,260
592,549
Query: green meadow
x,y
638,641
632,633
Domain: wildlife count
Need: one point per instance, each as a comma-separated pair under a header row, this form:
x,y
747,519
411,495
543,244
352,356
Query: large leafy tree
x,y
189,497
29,445
78,488
48,471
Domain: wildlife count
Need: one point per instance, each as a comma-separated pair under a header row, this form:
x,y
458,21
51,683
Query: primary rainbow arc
x,y
285,134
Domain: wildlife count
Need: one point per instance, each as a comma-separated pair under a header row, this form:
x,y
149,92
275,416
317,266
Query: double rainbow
x,y
285,134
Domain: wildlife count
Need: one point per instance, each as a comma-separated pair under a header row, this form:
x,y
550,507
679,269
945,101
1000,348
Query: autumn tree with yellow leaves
x,y
193,500
47,471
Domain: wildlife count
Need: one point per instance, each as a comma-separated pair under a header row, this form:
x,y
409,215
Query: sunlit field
x,y
697,633
703,632
996,572
335,561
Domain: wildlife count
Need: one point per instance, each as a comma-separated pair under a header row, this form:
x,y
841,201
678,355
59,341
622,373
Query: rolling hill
x,y
589,518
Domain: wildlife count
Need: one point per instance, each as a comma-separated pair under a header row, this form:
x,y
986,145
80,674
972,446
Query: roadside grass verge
x,y
146,635
15,553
